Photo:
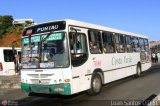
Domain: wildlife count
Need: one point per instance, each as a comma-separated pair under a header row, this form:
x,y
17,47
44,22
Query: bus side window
x,y
95,45
147,50
108,42
119,40
136,44
146,46
141,44
9,55
129,46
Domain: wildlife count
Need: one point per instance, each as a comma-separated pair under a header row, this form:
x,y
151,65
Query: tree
x,y
9,34
5,23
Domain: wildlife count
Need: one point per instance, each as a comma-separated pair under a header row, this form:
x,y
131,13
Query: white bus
x,y
7,60
67,57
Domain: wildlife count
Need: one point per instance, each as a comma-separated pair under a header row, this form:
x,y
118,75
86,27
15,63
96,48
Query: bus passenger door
x,y
79,56
78,48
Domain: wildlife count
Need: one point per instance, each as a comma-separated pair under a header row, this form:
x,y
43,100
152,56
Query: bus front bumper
x,y
63,89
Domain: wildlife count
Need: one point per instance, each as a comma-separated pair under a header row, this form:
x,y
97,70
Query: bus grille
x,y
40,81
40,78
34,75
45,75
40,75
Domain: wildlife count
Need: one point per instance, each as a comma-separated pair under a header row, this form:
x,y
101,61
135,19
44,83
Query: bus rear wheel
x,y
96,85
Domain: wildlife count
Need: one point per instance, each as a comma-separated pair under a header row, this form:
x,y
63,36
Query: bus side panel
x,y
75,85
146,66
119,74
114,66
80,81
119,65
9,68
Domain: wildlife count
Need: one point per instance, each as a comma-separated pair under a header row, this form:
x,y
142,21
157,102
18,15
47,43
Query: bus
x,y
67,57
7,60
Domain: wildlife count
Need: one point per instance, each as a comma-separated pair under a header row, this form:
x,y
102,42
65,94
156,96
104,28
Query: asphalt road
x,y
128,91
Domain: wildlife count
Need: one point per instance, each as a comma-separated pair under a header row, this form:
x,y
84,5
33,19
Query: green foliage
x,y
14,30
5,23
10,30
6,26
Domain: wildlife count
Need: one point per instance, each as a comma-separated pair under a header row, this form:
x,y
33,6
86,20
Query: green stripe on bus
x,y
63,88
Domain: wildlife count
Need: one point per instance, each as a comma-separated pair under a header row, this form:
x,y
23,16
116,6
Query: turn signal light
x,y
67,80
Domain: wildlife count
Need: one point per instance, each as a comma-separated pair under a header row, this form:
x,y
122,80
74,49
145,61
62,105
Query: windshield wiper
x,y
40,47
46,36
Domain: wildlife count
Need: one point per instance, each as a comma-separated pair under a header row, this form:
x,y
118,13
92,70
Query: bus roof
x,y
94,26
99,27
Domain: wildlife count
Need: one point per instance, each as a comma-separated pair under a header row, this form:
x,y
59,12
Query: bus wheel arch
x,y
96,82
138,69
100,72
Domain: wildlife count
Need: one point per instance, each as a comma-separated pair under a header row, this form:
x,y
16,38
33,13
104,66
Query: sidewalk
x,y
10,82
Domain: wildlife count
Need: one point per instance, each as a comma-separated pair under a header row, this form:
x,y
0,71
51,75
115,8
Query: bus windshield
x,y
42,52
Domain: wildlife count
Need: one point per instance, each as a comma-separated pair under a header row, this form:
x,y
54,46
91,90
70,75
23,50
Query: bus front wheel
x,y
96,85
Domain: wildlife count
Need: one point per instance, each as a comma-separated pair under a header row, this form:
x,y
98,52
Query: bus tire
x,y
96,85
138,70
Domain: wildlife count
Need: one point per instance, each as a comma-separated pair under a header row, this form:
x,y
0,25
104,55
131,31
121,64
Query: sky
x,y
137,16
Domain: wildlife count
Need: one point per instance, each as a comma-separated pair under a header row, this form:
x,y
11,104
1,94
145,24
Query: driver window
x,y
78,44
78,48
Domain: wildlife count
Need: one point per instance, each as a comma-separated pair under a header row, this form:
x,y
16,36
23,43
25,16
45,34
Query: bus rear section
x,y
7,61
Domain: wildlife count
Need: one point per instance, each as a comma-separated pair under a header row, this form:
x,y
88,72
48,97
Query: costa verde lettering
x,y
47,28
122,60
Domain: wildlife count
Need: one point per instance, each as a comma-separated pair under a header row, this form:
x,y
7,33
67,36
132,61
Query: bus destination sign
x,y
47,27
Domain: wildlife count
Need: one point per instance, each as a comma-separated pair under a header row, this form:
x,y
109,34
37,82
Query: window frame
x,y
6,55
135,46
78,59
141,44
146,45
128,42
105,36
96,42
119,42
